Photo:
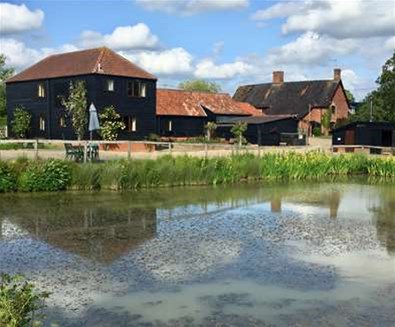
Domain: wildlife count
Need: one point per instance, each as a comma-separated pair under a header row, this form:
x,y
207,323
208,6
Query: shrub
x,y
111,124
7,178
238,131
317,131
21,122
19,302
49,175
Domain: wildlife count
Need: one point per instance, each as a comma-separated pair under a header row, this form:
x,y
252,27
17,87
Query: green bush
x,y
49,175
19,302
317,131
7,178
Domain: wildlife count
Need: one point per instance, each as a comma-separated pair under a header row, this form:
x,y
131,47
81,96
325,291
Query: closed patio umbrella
x,y
93,119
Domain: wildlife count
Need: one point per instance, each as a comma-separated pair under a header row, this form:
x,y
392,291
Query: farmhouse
x,y
309,101
110,80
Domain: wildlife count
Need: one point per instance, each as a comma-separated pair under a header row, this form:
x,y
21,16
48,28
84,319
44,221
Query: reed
x,y
184,170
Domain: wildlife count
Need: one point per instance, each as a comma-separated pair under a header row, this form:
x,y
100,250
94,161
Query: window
x,y
41,90
62,121
333,109
109,85
42,123
130,123
137,89
170,126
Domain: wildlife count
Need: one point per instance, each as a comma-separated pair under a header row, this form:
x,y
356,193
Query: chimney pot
x,y
278,77
337,74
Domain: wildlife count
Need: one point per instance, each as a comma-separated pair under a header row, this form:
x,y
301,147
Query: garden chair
x,y
74,152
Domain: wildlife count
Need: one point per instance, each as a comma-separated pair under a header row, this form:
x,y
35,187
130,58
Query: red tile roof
x,y
185,103
249,108
92,61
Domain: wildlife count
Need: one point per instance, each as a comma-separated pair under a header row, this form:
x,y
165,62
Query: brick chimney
x,y
337,74
278,77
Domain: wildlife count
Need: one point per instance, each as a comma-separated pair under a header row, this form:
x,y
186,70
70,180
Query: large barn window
x,y
41,90
109,86
137,89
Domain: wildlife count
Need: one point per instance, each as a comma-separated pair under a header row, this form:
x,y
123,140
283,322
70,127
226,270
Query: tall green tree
x,y
200,85
76,105
5,73
382,100
350,96
111,124
20,125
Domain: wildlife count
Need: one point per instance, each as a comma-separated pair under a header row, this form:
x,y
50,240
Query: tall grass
x,y
184,170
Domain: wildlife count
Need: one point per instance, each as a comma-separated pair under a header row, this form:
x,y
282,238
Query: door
x,y
349,137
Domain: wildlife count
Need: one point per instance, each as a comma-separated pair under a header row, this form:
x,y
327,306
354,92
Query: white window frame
x,y
134,124
170,126
42,123
110,85
41,90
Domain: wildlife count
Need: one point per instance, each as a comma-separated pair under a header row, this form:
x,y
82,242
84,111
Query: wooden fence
x,y
32,146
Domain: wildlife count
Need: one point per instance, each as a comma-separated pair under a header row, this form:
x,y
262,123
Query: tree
x,y
350,96
326,121
238,130
210,129
76,105
5,73
200,85
21,122
111,124
381,100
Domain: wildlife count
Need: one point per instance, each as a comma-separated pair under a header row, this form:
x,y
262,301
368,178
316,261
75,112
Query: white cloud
x,y
390,44
168,62
311,49
19,56
207,69
138,36
19,18
336,18
191,7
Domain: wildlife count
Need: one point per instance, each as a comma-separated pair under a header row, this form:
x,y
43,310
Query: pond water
x,y
242,255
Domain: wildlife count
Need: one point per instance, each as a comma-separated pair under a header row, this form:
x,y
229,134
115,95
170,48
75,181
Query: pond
x,y
295,254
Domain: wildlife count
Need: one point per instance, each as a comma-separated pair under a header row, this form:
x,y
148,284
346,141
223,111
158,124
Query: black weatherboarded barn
x,y
263,130
381,134
110,79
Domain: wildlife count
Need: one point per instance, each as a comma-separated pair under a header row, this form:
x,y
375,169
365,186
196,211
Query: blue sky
x,y
229,41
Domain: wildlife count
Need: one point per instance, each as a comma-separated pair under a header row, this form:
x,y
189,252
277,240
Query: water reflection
x,y
205,255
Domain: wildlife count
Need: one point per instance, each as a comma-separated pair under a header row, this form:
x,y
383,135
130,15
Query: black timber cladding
x,y
380,134
25,93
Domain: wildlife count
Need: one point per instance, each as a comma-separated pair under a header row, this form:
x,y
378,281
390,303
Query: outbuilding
x,y
377,134
269,130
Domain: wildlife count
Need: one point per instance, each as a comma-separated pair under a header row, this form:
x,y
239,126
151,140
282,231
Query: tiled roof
x,y
288,97
185,103
92,61
249,108
256,120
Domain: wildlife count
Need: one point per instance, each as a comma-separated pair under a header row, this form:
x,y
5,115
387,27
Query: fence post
x,y
85,151
129,150
170,149
35,145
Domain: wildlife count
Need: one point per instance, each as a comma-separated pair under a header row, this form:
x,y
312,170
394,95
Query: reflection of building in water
x,y
385,222
99,234
322,200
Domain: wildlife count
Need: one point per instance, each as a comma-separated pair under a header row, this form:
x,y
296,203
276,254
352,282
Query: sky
x,y
231,42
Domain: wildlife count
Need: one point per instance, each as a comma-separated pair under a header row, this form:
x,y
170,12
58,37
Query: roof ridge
x,y
99,58
188,91
288,82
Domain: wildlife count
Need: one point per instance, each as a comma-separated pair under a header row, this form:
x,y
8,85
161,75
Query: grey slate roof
x,y
292,98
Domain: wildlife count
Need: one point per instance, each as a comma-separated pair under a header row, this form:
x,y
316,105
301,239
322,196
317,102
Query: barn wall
x,y
25,93
181,126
